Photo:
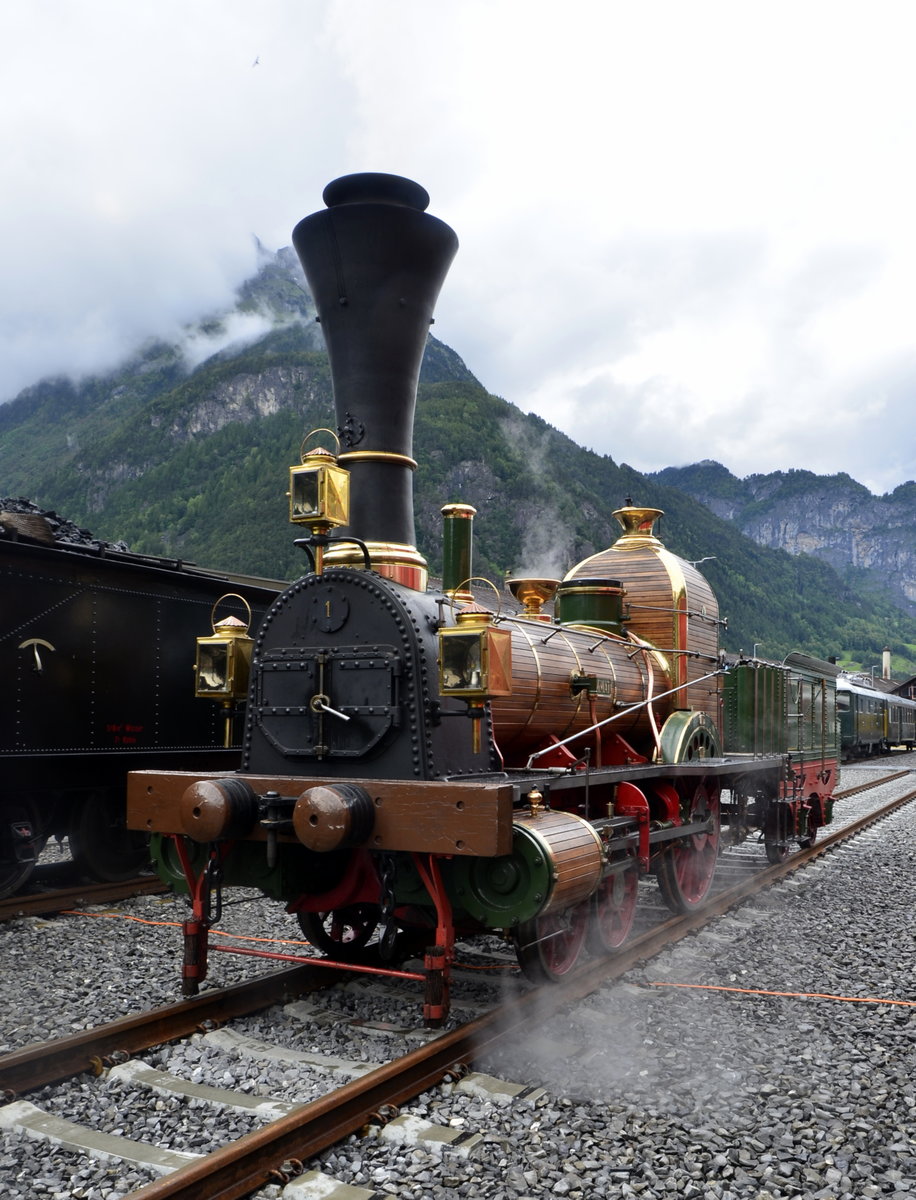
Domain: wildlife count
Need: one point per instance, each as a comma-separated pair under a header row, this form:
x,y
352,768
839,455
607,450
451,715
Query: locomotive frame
x,y
417,767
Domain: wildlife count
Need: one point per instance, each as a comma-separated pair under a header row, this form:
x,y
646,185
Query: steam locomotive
x,y
418,765
94,643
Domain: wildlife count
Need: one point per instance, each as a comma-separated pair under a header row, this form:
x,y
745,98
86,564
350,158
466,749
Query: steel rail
x,y
276,1151
54,900
49,1062
869,785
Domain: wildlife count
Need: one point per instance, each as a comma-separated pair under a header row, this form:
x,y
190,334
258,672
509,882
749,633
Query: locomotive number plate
x,y
330,609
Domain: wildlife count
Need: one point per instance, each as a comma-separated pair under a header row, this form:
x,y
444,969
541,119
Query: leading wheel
x,y
548,947
687,867
344,933
102,846
613,908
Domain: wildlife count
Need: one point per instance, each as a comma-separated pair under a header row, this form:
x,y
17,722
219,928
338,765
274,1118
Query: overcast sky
x,y
688,229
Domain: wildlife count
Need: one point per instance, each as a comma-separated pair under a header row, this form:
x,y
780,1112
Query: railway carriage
x,y
901,722
872,721
790,710
96,646
417,765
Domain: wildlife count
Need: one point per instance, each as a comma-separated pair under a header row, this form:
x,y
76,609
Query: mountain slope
x,y
870,541
184,451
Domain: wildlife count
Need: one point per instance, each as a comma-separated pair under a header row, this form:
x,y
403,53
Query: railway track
x,y
84,895
273,1153
868,785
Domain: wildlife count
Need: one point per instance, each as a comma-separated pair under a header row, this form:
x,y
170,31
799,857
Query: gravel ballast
x,y
652,1091
661,1091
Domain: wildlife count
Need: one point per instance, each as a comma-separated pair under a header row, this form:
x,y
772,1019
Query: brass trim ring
x,y
377,456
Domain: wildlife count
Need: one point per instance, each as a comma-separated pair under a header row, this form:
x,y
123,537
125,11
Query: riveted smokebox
x,y
375,262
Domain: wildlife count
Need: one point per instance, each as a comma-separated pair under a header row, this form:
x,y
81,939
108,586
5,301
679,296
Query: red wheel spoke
x,y
686,868
548,947
613,908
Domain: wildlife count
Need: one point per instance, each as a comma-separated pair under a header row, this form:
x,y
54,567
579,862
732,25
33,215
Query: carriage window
x,y
842,701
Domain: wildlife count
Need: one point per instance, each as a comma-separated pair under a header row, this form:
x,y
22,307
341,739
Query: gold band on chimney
x,y
387,456
403,564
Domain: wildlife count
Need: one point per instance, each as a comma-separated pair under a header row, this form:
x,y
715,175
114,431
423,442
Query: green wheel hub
x,y
501,892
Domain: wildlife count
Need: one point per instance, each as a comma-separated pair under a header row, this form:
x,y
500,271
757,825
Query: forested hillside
x,y
184,451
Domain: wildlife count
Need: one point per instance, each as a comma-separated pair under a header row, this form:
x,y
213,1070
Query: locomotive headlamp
x,y
475,662
319,489
475,656
223,661
224,657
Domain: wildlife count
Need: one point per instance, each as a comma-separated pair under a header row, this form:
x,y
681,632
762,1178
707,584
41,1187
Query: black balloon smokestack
x,y
375,261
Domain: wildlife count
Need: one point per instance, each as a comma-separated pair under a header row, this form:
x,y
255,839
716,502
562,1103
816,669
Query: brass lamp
x,y
223,662
475,662
319,492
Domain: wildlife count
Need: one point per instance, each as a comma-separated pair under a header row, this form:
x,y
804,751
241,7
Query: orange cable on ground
x,y
716,987
114,916
242,937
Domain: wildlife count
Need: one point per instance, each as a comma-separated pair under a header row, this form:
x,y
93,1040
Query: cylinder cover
x,y
556,861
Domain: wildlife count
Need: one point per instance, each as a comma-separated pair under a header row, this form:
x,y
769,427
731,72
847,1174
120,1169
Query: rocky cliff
x,y
831,517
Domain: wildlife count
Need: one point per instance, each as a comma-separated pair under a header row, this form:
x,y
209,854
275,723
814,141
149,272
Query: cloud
x,y
138,154
686,230
235,331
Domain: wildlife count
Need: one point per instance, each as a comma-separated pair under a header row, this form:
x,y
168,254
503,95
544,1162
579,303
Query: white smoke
x,y
234,332
548,543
